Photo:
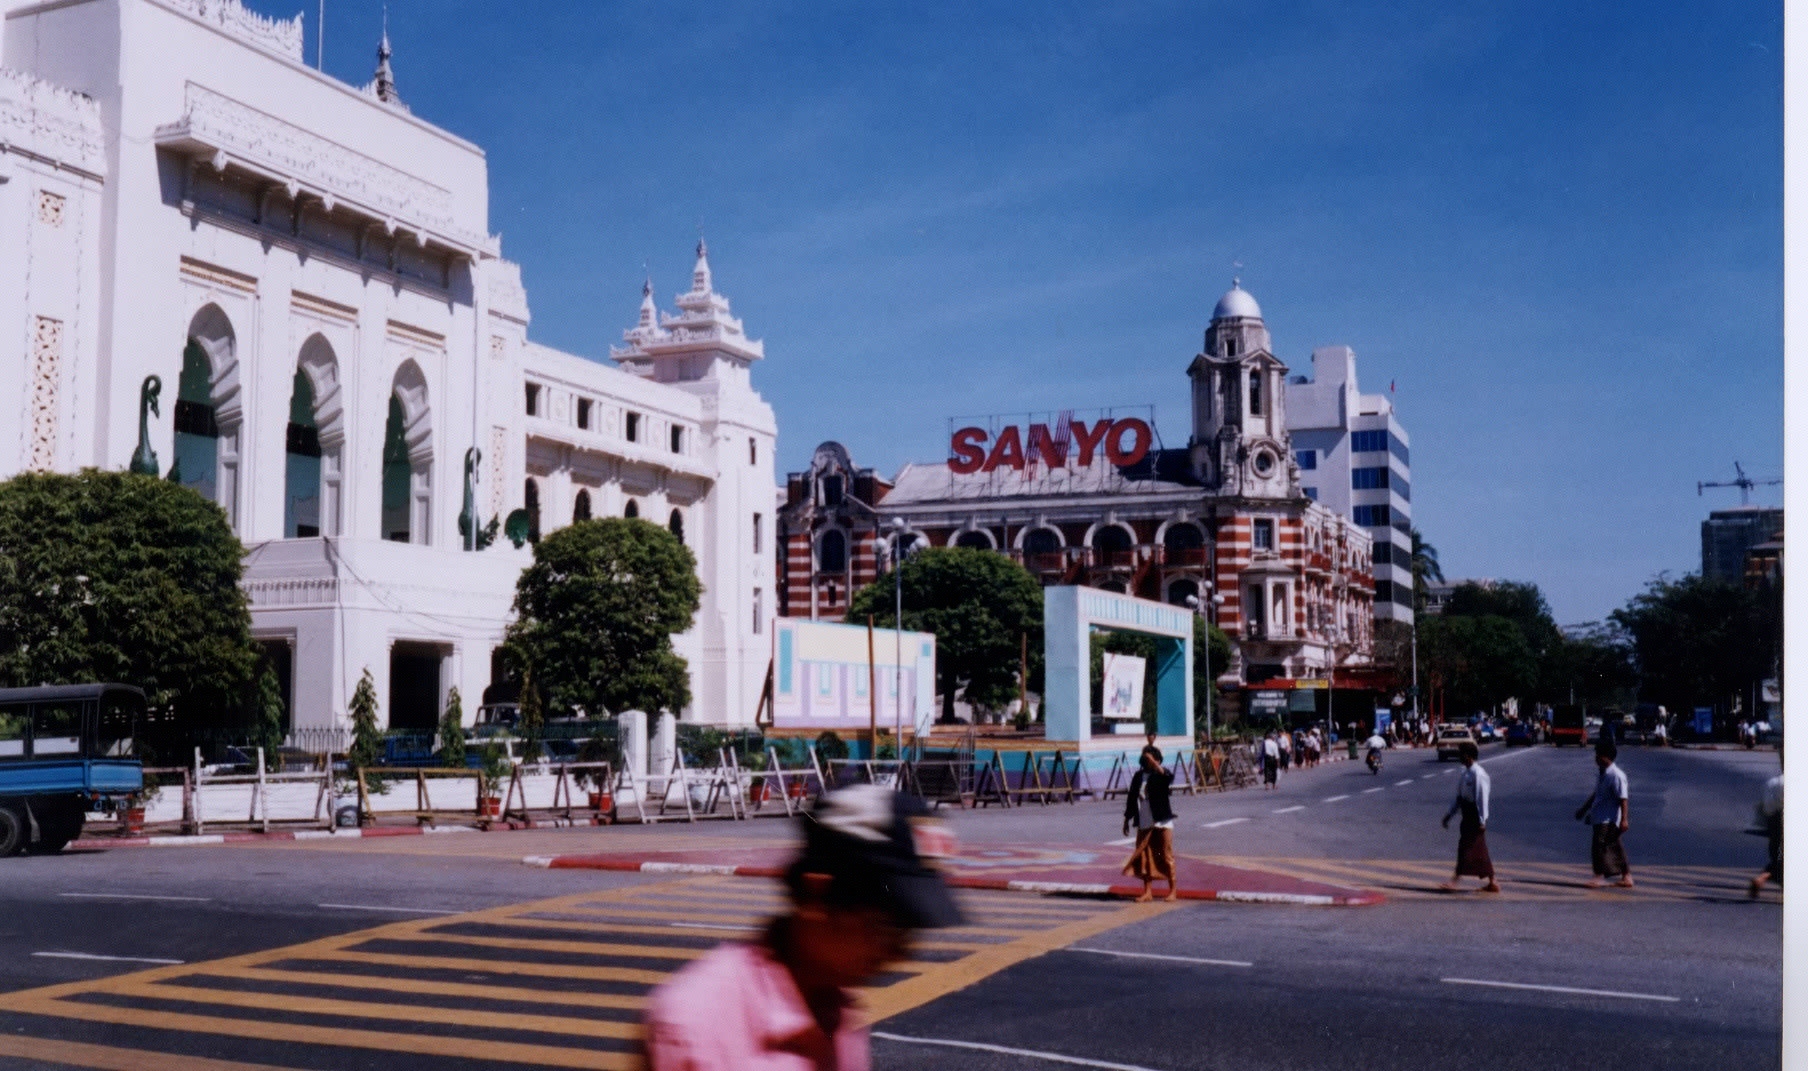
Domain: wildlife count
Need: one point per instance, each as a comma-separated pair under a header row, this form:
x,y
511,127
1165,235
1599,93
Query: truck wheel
x,y
12,831
58,824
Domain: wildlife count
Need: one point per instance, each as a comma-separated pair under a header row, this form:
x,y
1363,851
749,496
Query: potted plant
x,y
602,798
495,768
759,789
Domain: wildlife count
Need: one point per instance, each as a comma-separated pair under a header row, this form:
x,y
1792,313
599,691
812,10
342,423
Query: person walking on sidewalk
x,y
786,1000
1609,813
1472,833
1271,760
1148,806
1770,814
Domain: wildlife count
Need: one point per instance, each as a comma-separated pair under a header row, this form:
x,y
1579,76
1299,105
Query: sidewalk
x,y
1038,868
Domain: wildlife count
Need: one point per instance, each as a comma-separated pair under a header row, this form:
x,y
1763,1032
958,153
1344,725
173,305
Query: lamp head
x,y
1193,601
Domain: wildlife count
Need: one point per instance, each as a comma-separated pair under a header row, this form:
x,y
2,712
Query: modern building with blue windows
x,y
1354,457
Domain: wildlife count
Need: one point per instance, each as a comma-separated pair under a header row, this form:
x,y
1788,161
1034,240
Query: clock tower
x,y
1239,444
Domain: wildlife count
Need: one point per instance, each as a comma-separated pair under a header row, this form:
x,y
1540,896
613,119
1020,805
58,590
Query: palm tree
x,y
1425,569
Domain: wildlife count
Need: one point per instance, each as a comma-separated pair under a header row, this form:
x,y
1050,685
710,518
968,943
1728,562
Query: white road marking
x,y
108,959
1289,810
133,896
714,926
1334,799
1563,989
1120,842
1408,781
1053,1058
377,907
1428,777
1171,959
1223,822
1378,788
1509,755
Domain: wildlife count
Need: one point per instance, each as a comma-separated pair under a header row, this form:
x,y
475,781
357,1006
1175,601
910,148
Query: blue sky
x,y
1556,228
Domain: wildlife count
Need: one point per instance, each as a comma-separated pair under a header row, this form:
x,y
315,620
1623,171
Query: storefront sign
x,y
1124,441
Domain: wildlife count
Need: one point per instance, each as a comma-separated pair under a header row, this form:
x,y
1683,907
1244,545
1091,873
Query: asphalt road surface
x,y
446,952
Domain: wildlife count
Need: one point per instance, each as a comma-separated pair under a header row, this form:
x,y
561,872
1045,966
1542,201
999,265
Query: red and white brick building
x,y
1094,502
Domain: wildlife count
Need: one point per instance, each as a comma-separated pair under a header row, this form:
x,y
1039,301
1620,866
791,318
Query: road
x,y
445,952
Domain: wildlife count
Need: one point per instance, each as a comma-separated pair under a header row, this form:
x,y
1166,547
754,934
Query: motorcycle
x,y
1374,761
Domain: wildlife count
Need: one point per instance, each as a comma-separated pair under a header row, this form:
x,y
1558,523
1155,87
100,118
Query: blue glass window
x,y
1307,459
1365,442
1311,493
1371,516
1368,479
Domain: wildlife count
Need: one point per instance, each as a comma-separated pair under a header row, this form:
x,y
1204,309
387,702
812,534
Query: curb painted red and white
x,y
1358,899
197,840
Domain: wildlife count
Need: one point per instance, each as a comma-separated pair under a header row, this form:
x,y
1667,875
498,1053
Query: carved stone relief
x,y
50,208
46,381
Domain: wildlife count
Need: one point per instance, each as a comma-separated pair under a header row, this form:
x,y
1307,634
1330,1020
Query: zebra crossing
x,y
559,982
1408,879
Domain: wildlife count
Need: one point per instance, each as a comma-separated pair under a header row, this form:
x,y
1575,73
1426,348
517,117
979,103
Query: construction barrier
x,y
266,798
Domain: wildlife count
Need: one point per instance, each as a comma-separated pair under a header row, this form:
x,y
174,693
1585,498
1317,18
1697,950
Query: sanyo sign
x,y
1124,441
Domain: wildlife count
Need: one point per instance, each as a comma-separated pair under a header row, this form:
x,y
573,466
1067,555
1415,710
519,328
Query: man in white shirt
x,y
1471,802
1770,814
1609,813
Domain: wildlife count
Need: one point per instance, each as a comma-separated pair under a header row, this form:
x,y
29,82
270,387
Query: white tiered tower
x,y
704,350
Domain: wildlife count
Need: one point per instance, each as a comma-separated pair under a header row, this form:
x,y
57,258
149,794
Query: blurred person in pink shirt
x,y
861,885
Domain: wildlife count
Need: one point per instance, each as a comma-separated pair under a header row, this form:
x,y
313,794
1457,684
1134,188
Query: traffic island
x,y
1036,868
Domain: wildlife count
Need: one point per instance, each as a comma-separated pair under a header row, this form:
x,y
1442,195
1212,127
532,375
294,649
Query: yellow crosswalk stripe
x,y
1533,882
351,991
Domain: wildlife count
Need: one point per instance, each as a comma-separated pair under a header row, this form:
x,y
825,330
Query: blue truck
x,y
64,750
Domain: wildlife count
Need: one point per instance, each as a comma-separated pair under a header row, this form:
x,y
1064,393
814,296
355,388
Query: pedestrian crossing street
x,y
1411,879
552,983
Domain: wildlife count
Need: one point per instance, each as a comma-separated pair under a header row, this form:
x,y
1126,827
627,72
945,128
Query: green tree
x,y
267,728
1700,642
452,731
367,737
595,616
1425,570
1522,606
110,576
1211,648
1594,667
1477,662
980,604
533,716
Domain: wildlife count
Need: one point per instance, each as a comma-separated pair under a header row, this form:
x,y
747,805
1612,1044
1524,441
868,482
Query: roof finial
x,y
700,281
384,86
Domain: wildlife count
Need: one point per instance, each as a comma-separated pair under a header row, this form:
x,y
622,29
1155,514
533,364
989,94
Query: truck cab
x,y
63,750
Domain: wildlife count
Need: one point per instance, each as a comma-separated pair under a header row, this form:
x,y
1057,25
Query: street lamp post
x,y
1211,684
897,632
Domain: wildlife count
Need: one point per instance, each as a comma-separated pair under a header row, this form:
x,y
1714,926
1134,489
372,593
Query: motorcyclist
x,y
1376,744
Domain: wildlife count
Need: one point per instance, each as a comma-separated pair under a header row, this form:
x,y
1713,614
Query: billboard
x,y
821,677
1123,694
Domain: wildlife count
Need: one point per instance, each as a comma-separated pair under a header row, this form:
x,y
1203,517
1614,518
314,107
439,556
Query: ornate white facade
x,y
307,270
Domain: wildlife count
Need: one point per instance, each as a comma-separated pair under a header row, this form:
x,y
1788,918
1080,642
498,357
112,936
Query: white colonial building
x,y
300,274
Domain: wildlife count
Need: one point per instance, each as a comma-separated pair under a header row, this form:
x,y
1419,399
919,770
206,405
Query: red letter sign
x,y
1089,440
1115,449
968,454
1007,451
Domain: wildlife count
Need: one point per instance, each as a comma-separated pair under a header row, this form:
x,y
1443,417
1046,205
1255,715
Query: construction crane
x,y
1744,483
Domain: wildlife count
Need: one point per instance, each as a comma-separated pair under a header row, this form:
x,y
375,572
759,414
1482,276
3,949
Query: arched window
x,y
1111,538
1042,541
831,552
396,475
580,510
408,460
531,502
197,433
1183,537
676,524
1181,590
1255,393
632,509
313,439
975,539
301,475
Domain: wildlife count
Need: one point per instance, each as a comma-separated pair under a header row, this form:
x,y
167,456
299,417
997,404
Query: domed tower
x,y
1239,443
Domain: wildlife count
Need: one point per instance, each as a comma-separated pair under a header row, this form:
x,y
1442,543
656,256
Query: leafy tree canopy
x,y
110,576
1478,661
596,613
1702,642
979,604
